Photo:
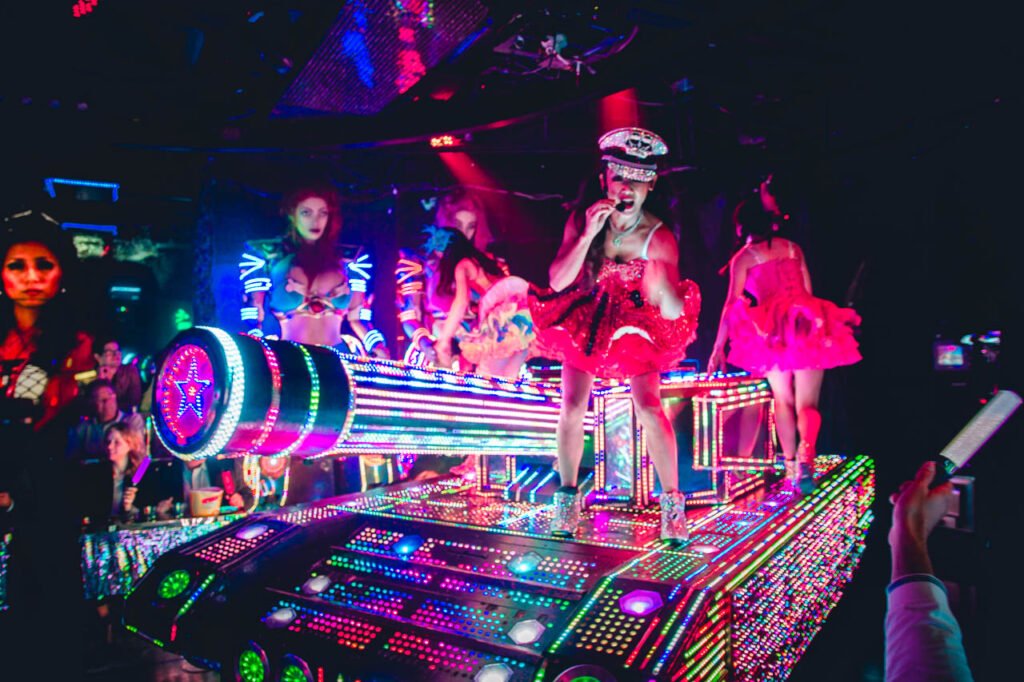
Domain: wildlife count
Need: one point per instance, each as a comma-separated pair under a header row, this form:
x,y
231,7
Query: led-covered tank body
x,y
218,393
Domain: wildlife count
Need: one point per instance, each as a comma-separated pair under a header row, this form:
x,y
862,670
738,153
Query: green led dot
x,y
293,673
250,667
173,584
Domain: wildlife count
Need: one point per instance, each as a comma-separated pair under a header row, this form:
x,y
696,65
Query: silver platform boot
x,y
673,516
565,517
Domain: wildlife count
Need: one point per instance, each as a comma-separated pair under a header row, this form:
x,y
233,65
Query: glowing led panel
x,y
316,584
184,393
524,563
526,631
493,672
173,584
281,617
640,602
252,666
407,545
295,671
252,531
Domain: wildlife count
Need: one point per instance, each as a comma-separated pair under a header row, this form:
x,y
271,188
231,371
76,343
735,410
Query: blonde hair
x,y
136,441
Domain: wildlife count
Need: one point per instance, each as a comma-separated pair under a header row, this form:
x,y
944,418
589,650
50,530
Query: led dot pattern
x,y
173,584
349,632
230,547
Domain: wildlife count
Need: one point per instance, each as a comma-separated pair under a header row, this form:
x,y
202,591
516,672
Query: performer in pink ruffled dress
x,y
776,328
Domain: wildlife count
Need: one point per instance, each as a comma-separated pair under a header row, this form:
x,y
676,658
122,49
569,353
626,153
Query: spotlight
x,y
407,545
493,672
251,532
444,141
640,602
526,631
316,584
281,617
524,563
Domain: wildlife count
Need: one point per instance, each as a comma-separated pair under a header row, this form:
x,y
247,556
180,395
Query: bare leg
x,y
575,395
785,411
808,418
661,440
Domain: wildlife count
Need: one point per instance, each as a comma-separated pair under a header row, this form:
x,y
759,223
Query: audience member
x,y
922,638
125,378
88,438
133,490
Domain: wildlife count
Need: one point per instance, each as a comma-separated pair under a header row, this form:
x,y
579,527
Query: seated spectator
x,y
87,439
922,638
125,378
133,489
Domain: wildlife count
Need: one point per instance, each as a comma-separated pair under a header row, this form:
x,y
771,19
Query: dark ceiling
x,y
783,78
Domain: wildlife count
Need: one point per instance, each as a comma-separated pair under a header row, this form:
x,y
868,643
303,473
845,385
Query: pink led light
x,y
640,602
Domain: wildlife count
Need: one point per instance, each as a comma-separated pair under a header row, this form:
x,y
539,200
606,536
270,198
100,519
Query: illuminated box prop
x,y
731,434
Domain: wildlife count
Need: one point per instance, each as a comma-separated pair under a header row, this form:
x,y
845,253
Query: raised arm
x,y
254,273
575,243
359,314
737,281
410,289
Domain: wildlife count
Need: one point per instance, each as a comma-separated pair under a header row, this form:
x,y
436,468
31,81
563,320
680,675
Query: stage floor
x,y
433,580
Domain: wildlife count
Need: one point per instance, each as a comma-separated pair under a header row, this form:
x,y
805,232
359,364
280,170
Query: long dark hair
x,y
57,323
323,255
458,249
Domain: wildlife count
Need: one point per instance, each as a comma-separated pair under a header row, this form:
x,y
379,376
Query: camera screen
x,y
949,356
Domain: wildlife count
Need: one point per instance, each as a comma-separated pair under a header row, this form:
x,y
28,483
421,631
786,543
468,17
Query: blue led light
x,y
112,229
525,563
52,191
407,545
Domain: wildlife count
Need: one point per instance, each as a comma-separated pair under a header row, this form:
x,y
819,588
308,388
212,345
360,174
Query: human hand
x,y
443,353
659,288
917,509
236,500
379,351
129,497
716,363
596,217
106,372
163,507
427,350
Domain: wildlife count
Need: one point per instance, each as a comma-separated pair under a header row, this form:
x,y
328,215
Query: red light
x,y
83,7
445,141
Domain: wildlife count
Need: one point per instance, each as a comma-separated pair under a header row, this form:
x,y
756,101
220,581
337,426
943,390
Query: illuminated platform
x,y
438,581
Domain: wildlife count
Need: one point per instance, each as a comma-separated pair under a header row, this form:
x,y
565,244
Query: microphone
x,y
621,206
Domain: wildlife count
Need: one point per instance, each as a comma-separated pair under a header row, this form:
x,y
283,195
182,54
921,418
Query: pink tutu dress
x,y
505,326
788,328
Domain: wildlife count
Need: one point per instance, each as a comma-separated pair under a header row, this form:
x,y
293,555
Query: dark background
x,y
897,128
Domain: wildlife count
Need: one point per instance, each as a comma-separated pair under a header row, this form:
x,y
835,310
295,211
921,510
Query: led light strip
x,y
350,410
274,411
455,400
314,401
235,389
